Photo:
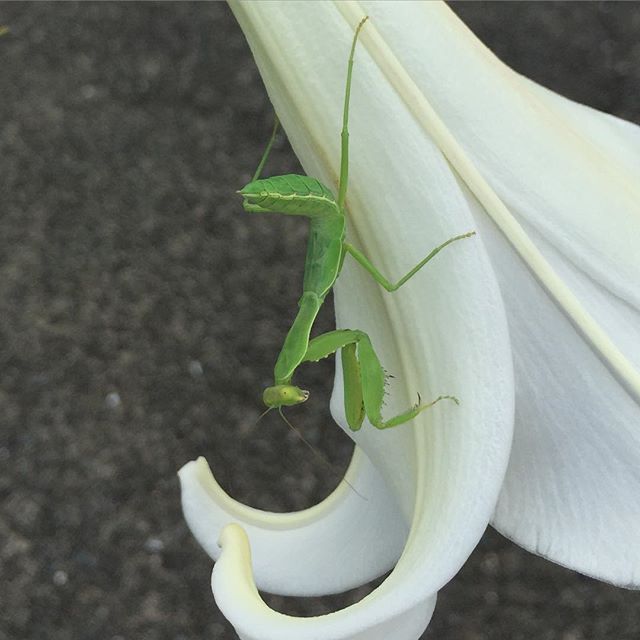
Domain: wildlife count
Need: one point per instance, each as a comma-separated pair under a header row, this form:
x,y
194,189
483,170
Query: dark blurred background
x,y
141,311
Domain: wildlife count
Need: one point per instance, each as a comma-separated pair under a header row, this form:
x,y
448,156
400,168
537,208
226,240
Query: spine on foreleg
x,y
297,340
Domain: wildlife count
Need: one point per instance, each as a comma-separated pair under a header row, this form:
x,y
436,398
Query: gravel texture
x,y
140,313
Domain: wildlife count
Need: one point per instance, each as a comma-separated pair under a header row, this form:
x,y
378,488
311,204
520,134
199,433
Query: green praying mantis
x,y
364,376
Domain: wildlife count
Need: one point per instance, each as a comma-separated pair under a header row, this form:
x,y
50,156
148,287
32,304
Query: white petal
x,y
570,180
338,544
238,598
442,333
571,491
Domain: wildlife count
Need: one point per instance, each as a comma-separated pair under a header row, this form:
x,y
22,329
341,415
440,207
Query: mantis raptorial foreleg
x,y
364,378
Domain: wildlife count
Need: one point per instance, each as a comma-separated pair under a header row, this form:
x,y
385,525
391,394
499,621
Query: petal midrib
x,y
426,116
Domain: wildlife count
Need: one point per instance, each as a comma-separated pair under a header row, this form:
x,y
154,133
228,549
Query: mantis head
x,y
283,395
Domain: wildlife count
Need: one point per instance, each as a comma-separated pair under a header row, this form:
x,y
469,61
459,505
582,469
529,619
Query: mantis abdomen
x,y
290,194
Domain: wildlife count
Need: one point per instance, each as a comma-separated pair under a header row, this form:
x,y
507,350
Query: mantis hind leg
x,y
344,136
364,379
267,151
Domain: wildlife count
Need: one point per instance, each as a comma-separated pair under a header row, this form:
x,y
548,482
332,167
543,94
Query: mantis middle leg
x,y
380,279
364,378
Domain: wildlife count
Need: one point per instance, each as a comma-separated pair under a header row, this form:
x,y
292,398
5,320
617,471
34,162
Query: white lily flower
x,y
444,139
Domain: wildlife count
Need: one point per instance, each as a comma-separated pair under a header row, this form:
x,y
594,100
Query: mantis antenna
x,y
316,452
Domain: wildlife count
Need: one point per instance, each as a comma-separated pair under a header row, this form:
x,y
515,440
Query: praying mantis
x,y
297,195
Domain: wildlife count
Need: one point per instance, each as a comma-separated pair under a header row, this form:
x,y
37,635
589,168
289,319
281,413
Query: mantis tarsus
x,y
364,377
